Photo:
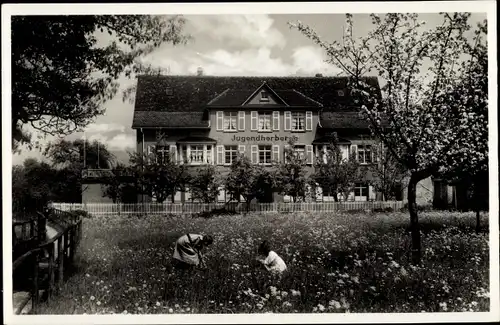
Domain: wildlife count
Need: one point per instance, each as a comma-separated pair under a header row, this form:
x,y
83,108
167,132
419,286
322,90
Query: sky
x,y
251,45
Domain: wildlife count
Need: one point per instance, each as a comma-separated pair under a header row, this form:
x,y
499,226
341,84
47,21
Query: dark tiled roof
x,y
231,97
197,139
344,120
326,139
169,119
296,98
193,93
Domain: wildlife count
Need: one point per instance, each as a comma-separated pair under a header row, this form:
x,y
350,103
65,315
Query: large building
x,y
207,120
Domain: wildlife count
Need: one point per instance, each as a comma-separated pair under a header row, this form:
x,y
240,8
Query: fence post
x,y
35,295
51,272
60,258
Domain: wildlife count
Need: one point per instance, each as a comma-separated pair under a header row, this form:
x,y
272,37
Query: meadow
x,y
352,262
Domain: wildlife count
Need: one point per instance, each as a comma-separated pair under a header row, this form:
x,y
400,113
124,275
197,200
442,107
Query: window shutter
x,y
173,152
354,152
276,121
253,121
309,153
241,149
241,120
309,121
255,154
276,153
288,121
220,155
220,120
285,154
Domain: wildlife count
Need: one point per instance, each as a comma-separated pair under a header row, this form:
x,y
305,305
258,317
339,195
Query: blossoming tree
x,y
432,127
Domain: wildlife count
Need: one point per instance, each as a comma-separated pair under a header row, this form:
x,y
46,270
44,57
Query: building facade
x,y
208,120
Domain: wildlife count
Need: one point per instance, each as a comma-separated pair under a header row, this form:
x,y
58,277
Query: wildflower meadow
x,y
352,262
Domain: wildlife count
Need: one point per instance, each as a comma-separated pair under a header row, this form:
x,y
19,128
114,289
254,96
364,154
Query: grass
x,y
337,263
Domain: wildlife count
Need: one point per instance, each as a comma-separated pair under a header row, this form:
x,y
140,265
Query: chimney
x,y
319,75
199,72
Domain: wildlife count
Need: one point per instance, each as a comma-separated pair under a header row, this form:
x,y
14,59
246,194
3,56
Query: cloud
x,y
104,128
122,142
239,30
305,61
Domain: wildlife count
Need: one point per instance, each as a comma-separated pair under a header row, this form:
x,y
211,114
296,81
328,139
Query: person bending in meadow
x,y
187,251
271,261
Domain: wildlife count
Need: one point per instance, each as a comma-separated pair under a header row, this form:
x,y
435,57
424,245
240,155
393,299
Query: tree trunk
x,y
414,225
478,221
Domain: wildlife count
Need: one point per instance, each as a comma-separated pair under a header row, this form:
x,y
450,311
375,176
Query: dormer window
x,y
264,96
169,91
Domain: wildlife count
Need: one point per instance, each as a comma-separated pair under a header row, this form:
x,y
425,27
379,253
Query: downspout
x,y
142,153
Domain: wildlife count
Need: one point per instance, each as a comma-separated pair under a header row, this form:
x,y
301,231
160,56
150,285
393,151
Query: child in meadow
x,y
272,261
187,251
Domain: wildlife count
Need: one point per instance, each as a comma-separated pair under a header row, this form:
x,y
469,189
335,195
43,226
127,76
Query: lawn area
x,y
336,263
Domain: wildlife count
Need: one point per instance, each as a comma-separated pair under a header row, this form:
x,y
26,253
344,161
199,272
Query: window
x,y
196,155
361,190
209,154
230,154
264,97
162,154
230,121
264,154
364,154
298,121
265,121
301,151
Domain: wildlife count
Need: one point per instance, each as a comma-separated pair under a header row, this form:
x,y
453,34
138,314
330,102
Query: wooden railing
x,y
47,264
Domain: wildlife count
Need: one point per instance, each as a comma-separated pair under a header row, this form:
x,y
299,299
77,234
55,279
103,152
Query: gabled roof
x,y
270,90
169,119
344,120
192,94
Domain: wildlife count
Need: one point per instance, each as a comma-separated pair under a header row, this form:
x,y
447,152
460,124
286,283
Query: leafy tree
x,y
335,174
62,71
81,153
115,186
70,158
159,177
389,175
32,186
291,173
242,180
430,124
204,185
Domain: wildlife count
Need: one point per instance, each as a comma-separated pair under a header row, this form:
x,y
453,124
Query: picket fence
x,y
191,208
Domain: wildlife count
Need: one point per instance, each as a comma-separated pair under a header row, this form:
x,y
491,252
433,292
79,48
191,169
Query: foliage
x,y
291,173
70,158
32,186
335,174
116,187
63,69
159,178
83,153
356,263
204,185
249,181
389,176
421,118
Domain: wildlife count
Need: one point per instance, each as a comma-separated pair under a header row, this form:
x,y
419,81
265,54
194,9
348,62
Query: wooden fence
x,y
46,265
191,208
